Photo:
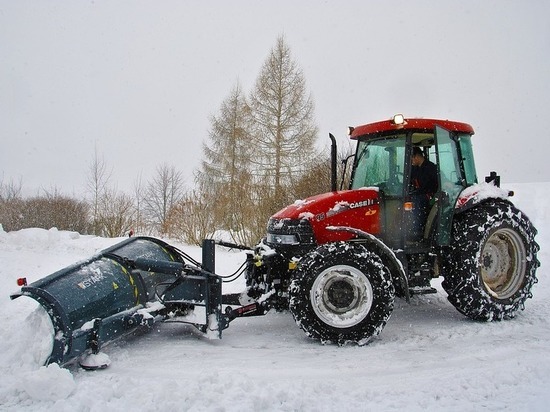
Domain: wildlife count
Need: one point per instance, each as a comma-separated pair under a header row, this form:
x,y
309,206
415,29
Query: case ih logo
x,y
343,206
362,203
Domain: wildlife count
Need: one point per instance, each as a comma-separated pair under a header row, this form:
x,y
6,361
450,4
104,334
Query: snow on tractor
x,y
414,211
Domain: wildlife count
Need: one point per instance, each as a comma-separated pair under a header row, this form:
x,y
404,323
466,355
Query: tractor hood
x,y
357,208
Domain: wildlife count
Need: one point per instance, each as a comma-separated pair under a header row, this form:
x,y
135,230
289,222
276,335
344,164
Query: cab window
x,y
465,142
380,163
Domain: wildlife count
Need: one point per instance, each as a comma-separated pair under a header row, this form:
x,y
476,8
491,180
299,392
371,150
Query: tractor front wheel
x,y
342,293
492,263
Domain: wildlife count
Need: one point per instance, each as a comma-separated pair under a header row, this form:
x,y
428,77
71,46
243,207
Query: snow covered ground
x,y
429,356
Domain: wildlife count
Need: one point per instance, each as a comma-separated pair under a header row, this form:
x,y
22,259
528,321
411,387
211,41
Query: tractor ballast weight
x,y
124,287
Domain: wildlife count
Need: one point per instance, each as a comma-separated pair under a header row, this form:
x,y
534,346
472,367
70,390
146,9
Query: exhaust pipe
x,y
333,167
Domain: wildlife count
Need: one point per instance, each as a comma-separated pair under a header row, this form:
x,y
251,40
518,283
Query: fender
x,y
386,254
475,194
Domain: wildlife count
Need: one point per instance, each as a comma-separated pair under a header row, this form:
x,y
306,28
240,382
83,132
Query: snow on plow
x,y
129,285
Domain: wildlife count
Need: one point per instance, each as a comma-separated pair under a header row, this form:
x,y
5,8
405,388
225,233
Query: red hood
x,y
354,208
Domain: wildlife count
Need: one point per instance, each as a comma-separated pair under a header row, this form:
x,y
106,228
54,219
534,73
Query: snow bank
x,y
48,383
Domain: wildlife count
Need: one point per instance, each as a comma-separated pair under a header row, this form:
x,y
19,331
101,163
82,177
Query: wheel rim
x,y
341,296
503,263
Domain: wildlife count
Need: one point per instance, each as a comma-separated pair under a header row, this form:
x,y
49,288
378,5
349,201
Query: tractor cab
x,y
383,160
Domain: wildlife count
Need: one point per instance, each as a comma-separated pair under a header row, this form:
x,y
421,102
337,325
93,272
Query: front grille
x,y
301,229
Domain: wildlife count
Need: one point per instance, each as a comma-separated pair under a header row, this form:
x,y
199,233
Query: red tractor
x,y
339,259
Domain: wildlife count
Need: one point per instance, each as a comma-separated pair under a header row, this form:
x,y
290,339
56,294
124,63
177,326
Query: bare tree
x,y
190,220
116,214
162,193
140,225
10,190
96,185
283,115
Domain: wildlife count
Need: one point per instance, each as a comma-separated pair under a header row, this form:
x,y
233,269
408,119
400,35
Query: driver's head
x,y
417,156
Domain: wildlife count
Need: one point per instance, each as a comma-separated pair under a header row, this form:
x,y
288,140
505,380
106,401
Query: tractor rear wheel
x,y
493,261
342,293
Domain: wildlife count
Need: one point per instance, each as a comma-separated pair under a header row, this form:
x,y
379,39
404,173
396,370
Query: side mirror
x,y
493,177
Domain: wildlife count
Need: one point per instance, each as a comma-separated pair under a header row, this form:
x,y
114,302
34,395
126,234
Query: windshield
x,y
380,163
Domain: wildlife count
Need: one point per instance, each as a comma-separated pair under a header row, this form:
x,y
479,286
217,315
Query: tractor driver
x,y
424,184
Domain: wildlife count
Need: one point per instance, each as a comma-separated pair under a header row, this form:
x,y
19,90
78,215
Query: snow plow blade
x,y
126,286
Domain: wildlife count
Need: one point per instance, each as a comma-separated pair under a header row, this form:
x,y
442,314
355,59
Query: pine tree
x,y
284,127
224,178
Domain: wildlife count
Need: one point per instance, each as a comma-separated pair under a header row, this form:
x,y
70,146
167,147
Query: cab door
x,y
451,183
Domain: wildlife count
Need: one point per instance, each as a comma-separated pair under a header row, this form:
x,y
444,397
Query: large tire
x,y
492,263
342,293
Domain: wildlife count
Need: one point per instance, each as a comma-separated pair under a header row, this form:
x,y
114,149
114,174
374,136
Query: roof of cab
x,y
410,124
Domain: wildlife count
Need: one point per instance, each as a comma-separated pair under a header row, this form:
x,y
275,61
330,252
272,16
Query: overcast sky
x,y
138,80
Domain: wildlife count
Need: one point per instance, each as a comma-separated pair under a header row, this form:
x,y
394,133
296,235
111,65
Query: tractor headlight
x,y
290,235
398,119
282,239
